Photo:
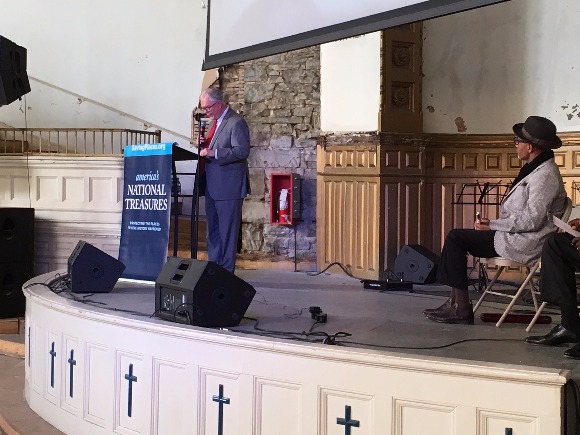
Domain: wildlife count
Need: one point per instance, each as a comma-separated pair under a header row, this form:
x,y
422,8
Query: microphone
x,y
201,134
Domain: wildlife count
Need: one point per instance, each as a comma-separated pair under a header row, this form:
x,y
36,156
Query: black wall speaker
x,y
91,270
13,77
417,264
201,293
12,278
16,235
16,258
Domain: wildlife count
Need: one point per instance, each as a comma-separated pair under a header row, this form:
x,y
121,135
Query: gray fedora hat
x,y
538,131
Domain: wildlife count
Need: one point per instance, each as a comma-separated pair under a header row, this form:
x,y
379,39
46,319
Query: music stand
x,y
478,195
488,194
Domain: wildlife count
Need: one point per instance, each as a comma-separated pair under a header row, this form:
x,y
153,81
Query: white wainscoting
x,y
91,371
75,198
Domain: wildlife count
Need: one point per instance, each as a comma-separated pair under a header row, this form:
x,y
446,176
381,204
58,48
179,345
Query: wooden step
x,y
184,235
10,326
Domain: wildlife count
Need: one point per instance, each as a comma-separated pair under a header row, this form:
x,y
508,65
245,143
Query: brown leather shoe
x,y
454,315
446,305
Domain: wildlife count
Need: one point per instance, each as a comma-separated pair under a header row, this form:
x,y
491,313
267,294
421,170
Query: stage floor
x,y
391,321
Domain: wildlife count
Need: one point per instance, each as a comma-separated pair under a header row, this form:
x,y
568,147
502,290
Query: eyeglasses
x,y
205,109
518,141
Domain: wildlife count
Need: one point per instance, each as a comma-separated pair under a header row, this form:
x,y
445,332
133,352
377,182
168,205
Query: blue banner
x,y
146,210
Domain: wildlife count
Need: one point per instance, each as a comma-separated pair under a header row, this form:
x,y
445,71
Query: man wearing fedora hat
x,y
522,226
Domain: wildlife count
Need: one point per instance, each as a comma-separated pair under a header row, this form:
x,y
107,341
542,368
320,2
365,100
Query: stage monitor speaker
x,y
417,264
201,293
91,270
13,77
12,278
16,235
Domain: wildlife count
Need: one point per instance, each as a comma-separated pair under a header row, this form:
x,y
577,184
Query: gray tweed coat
x,y
524,221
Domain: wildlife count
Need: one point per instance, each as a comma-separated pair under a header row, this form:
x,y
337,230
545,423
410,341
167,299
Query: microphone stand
x,y
195,195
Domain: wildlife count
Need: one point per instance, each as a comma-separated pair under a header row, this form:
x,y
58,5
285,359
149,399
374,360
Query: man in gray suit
x,y
522,226
227,177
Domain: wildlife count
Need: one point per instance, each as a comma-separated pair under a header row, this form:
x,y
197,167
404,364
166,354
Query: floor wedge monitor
x,y
417,264
91,270
201,293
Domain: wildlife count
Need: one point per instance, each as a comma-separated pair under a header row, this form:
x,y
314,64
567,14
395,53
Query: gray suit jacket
x,y
228,176
524,221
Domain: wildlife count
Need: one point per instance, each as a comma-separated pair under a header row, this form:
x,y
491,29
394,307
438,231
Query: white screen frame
x,y
248,32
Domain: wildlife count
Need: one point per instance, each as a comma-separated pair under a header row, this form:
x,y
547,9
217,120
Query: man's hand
x,y
576,243
575,224
482,224
207,153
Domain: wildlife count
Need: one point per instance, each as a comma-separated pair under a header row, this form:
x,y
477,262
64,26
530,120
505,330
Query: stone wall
x,y
280,98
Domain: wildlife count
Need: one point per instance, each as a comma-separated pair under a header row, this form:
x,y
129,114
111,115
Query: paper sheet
x,y
563,225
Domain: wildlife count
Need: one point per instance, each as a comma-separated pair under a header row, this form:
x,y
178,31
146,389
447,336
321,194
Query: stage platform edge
x,y
93,371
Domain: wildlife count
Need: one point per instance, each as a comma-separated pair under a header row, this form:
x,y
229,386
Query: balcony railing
x,y
71,141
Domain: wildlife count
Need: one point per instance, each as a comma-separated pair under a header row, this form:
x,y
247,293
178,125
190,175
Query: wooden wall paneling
x,y
410,213
403,189
404,222
349,208
379,214
431,228
448,212
391,224
350,234
420,177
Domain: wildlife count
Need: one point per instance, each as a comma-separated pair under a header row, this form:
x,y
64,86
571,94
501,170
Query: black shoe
x,y
573,352
557,336
446,305
453,315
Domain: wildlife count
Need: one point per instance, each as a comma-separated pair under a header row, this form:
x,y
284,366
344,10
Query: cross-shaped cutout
x,y
131,379
72,362
346,421
221,400
52,353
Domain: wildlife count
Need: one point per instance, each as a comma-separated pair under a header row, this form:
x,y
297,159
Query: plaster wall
x,y
483,70
488,68
130,64
350,84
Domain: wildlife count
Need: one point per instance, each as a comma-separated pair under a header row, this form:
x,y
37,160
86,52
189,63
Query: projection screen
x,y
239,30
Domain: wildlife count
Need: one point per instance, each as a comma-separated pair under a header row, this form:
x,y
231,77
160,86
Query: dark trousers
x,y
223,226
458,244
560,260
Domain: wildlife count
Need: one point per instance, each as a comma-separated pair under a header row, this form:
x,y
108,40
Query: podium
x,y
178,155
